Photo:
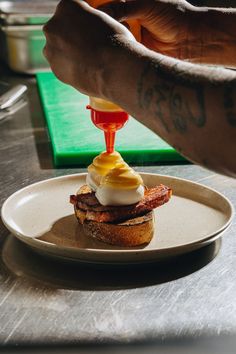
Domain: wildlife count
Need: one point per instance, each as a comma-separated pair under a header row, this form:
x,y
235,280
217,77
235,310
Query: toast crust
x,y
133,232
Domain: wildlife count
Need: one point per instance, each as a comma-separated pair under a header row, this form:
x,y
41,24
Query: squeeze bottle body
x,y
106,115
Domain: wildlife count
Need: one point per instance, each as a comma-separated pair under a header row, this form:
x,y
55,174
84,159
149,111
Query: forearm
x,y
179,102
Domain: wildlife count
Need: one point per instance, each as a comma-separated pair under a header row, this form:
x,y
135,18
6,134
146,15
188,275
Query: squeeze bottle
x,y
106,115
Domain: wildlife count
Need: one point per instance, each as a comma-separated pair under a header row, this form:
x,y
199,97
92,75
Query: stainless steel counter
x,y
169,306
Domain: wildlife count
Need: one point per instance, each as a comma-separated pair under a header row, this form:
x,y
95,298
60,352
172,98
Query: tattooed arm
x,y
192,107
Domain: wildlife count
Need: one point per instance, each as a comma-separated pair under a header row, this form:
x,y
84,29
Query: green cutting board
x,y
76,141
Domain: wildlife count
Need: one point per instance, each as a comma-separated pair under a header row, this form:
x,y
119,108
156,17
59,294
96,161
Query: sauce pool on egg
x,y
114,181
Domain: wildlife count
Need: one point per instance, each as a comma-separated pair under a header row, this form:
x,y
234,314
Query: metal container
x,y
21,36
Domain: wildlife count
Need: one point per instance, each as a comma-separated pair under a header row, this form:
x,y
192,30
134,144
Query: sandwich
x,y
114,206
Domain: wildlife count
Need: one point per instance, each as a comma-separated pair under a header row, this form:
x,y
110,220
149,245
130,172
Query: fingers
x,y
72,4
123,10
69,15
53,57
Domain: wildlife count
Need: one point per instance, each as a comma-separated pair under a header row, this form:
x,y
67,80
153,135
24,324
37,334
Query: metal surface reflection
x,y
24,262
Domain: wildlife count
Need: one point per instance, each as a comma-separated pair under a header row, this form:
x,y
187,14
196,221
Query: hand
x,y
79,40
164,26
178,29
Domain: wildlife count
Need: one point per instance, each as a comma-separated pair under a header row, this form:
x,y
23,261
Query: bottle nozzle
x,y
110,141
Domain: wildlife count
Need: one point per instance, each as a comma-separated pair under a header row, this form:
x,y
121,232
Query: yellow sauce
x,y
114,171
102,105
122,176
104,162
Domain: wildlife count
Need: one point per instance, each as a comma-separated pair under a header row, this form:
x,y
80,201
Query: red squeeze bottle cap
x,y
109,118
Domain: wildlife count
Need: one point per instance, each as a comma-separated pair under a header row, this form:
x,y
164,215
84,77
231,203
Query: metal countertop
x,y
47,302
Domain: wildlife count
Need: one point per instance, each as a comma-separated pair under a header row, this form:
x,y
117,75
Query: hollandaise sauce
x,y
104,163
114,181
108,117
122,176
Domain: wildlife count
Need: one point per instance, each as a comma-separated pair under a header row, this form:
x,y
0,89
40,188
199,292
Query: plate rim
x,y
32,242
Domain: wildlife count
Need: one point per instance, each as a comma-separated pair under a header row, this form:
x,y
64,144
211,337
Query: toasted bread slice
x,y
132,232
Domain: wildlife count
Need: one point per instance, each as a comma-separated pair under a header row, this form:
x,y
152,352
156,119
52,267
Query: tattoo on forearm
x,y
142,101
161,97
176,105
199,118
230,106
176,111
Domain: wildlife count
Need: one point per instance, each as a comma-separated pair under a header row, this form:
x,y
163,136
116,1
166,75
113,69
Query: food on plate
x,y
114,206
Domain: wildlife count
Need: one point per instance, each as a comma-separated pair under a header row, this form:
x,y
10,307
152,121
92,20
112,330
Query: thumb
x,y
122,10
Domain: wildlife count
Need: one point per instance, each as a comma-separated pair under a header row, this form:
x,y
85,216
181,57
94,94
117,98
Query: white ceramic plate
x,y
41,216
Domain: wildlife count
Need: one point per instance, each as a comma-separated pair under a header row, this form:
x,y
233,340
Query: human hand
x,y
164,25
79,41
178,29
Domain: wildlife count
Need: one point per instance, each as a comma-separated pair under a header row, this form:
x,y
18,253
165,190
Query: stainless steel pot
x,y
21,36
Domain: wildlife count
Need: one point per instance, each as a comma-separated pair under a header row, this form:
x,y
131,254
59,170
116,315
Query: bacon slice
x,y
86,201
